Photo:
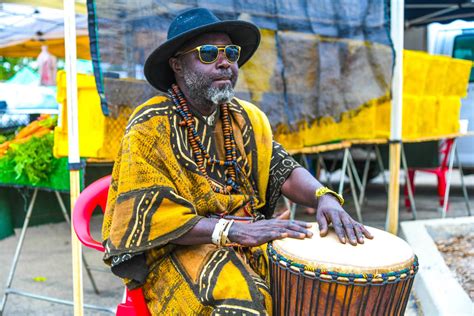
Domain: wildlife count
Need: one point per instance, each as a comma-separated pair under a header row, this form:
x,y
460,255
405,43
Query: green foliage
x,y
50,122
7,167
9,66
6,136
32,159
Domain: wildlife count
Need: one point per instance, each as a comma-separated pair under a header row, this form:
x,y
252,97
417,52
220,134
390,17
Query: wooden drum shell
x,y
299,289
296,293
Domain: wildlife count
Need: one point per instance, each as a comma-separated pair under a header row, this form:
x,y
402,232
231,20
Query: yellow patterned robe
x,y
158,194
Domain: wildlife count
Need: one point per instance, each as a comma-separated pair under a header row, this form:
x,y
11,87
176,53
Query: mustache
x,y
224,74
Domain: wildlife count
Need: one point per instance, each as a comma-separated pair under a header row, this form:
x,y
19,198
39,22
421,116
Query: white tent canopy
x,y
20,23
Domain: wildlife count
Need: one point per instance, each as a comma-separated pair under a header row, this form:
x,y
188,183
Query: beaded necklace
x,y
199,151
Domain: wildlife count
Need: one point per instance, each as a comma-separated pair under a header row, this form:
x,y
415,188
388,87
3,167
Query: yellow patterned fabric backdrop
x,y
320,75
318,59
433,88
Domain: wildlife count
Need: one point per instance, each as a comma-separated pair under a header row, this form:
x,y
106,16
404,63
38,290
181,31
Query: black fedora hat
x,y
192,23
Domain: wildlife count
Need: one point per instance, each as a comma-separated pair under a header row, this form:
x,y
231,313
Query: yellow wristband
x,y
325,190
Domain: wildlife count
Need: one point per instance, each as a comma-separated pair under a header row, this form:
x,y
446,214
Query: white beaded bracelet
x,y
217,232
224,239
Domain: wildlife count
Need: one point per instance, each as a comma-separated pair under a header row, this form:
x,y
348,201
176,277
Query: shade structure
x,y
79,5
25,26
423,12
32,48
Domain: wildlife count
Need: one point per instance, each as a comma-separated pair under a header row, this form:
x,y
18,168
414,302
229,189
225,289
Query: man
x,y
200,169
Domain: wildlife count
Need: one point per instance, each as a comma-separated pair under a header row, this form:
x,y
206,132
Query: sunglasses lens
x,y
232,52
208,53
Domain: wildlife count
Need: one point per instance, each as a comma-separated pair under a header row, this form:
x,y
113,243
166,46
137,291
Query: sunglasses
x,y
208,54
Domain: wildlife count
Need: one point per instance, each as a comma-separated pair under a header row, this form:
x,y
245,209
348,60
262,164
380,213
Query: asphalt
x,y
44,266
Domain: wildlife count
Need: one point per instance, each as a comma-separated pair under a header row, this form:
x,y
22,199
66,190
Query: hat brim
x,y
160,75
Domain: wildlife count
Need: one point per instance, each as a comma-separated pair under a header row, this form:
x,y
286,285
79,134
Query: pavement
x,y
442,295
44,268
44,265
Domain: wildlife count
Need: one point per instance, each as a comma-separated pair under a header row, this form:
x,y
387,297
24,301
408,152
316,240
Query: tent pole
x,y
432,15
396,33
73,140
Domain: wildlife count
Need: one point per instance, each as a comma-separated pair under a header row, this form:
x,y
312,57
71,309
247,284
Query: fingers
x,y
323,224
355,231
278,229
298,228
294,226
285,223
360,232
349,228
280,233
365,232
338,227
294,234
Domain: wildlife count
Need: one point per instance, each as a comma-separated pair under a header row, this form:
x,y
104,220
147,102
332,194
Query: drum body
x,y
321,276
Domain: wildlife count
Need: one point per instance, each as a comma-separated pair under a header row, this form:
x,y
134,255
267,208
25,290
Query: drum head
x,y
384,253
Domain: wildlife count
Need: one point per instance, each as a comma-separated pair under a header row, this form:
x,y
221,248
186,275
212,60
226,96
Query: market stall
x,y
311,97
27,163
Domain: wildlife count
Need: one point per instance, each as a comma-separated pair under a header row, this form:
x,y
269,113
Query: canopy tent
x,y
25,28
422,12
28,25
32,48
79,5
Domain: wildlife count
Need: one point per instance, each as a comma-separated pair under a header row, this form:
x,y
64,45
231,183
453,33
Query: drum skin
x,y
321,276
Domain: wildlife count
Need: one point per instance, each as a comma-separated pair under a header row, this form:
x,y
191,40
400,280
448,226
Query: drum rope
x,y
289,290
370,278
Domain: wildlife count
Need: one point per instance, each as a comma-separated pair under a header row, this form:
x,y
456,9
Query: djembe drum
x,y
321,276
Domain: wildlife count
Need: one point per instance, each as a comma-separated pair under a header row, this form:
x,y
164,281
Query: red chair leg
x,y
135,304
126,310
441,186
411,178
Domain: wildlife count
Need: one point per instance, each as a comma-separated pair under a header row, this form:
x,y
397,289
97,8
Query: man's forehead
x,y
208,38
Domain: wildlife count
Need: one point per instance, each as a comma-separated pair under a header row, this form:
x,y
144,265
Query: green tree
x,y
9,66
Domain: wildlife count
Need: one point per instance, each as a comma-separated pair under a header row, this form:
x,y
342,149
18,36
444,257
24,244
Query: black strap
x,y
77,165
95,54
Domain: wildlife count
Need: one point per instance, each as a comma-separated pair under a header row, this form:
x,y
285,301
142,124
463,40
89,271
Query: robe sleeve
x,y
281,166
144,210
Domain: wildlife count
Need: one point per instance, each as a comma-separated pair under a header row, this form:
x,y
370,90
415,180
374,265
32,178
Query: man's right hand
x,y
263,231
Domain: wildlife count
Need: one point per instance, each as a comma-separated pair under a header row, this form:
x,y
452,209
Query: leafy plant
x,y
33,159
49,122
9,66
6,136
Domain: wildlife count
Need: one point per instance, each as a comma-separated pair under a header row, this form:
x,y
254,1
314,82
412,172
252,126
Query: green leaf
x,y
33,159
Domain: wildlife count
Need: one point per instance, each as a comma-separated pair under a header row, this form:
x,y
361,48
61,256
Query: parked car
x,y
457,40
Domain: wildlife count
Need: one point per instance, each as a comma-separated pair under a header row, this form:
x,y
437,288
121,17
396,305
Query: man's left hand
x,y
330,211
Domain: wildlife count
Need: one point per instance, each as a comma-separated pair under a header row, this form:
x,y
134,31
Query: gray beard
x,y
201,92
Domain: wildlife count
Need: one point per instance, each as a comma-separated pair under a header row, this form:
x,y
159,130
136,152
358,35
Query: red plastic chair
x,y
440,172
96,195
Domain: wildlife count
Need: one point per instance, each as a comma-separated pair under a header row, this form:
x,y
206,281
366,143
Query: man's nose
x,y
222,61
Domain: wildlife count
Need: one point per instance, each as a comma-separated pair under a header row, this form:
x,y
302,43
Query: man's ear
x,y
176,66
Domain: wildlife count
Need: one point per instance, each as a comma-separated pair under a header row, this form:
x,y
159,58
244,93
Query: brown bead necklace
x,y
201,156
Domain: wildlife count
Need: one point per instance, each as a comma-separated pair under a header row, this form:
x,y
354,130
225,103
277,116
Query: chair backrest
x,y
93,196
